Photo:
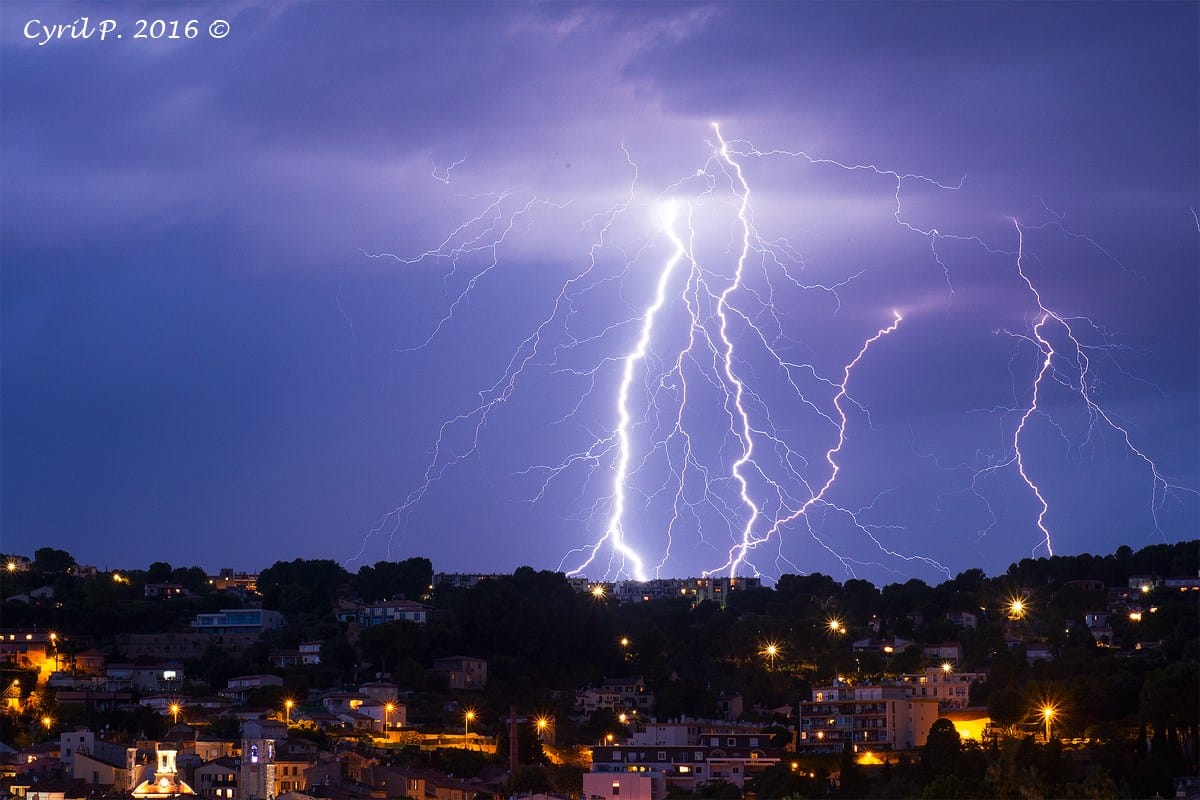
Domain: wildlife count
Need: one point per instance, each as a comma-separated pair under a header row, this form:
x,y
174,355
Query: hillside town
x,y
1068,676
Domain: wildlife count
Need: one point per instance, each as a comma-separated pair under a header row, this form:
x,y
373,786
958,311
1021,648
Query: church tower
x,y
256,780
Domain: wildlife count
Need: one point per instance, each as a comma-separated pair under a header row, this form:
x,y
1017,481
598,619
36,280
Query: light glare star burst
x,y
672,392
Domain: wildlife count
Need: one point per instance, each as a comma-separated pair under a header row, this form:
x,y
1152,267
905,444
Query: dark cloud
x,y
195,344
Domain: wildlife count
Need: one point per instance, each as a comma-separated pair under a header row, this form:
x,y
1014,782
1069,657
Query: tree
x,y
48,561
940,755
410,579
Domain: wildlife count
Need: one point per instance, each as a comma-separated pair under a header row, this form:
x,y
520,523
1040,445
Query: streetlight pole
x,y
1048,714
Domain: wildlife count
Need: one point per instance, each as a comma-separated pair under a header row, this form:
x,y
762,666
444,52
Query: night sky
x,y
247,279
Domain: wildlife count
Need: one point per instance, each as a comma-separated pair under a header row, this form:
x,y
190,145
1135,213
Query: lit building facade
x,y
868,717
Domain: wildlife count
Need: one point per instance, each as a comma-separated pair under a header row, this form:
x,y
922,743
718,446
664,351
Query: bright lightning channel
x,y
759,487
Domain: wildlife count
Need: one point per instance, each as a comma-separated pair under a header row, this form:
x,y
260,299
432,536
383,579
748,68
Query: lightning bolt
x,y
672,392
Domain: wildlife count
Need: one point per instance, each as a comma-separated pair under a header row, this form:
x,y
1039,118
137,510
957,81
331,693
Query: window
x,y
662,755
616,788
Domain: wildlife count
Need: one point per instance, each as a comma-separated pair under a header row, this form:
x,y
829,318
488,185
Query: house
x,y
290,771
1086,585
885,646
388,715
217,779
337,702
164,590
264,729
76,741
945,651
1144,584
1183,583
102,770
310,652
229,581
238,620
617,695
240,688
462,672
379,612
383,691
951,688
963,619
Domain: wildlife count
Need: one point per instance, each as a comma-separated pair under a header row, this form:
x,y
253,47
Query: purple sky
x,y
202,363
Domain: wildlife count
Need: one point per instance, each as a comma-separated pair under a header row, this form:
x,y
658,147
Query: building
x,y
165,782
240,688
256,770
951,688
217,779
616,695
869,717
944,651
681,767
458,580
227,580
697,590
310,652
632,785
462,672
238,620
963,619
379,612
163,590
1183,583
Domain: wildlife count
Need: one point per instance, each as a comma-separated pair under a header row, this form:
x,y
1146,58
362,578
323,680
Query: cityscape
x,y
1070,676
411,400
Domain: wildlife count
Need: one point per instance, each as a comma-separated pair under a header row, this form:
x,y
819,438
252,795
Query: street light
x,y
288,705
47,722
836,626
598,591
174,709
1048,712
947,667
468,718
388,708
542,723
771,651
1017,606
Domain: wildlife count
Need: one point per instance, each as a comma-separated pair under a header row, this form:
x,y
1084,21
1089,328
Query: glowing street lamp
x,y
1017,607
608,738
174,709
11,566
1048,712
47,722
947,667
542,723
598,591
468,718
388,708
770,650
288,705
